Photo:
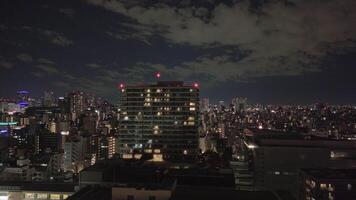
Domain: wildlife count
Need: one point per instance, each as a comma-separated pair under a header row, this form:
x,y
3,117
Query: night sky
x,y
272,51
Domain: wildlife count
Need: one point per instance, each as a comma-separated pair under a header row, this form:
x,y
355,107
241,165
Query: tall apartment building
x,y
159,119
77,103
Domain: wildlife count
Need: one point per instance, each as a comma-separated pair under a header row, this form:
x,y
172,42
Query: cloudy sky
x,y
271,51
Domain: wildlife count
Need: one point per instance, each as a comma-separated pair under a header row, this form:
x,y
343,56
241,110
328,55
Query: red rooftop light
x,y
196,85
121,85
158,75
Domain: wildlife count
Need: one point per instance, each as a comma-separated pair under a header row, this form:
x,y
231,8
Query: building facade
x,y
159,119
327,184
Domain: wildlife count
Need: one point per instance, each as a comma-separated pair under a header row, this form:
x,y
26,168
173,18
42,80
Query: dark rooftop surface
x,y
336,174
214,193
40,186
92,193
278,138
151,174
129,173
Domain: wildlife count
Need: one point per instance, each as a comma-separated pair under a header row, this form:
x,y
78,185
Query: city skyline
x,y
177,99
275,52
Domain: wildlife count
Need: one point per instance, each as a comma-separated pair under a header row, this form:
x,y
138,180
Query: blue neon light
x,y
8,123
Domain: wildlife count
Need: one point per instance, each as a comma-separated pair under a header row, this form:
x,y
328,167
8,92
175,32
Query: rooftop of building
x,y
265,137
92,192
155,174
213,193
162,84
335,174
131,173
183,193
38,186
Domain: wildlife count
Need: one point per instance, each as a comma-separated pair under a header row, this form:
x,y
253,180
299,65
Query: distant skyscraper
x,y
76,103
240,103
159,119
48,99
23,98
205,105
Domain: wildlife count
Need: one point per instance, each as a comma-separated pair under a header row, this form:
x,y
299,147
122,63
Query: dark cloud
x,y
233,47
6,65
24,57
67,11
282,38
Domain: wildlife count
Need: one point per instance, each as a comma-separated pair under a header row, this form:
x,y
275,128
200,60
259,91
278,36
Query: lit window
x,y
138,156
190,118
192,109
313,184
349,186
157,157
330,197
191,123
277,173
29,196
192,104
65,196
126,156
126,118
148,90
55,196
323,186
330,187
158,90
41,196
157,151
159,113
148,150
185,152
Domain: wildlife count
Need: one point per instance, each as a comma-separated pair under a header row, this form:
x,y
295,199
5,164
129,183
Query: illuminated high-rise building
x,y
76,104
23,99
111,146
22,96
159,119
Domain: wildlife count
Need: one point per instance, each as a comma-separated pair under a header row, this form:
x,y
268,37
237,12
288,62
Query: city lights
x,y
178,100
